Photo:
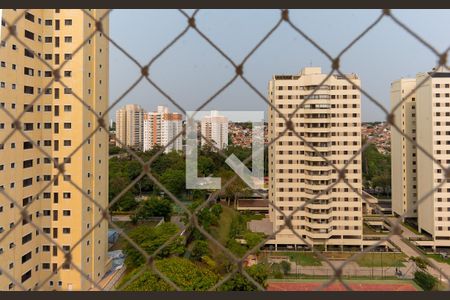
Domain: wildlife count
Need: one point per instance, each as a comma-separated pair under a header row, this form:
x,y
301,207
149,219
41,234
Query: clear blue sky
x,y
191,71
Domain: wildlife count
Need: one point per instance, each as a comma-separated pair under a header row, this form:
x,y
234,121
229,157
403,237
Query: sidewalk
x,y
109,282
411,251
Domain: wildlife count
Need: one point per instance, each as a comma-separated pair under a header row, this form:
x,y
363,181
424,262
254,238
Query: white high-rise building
x,y
215,129
130,126
331,122
425,117
161,127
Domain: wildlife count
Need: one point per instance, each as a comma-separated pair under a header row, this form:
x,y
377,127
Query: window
x,y
57,24
27,163
29,35
67,125
26,276
27,145
48,56
29,17
26,257
28,53
68,22
48,39
27,182
67,56
68,39
66,213
27,238
67,73
66,230
67,108
49,22
28,89
28,71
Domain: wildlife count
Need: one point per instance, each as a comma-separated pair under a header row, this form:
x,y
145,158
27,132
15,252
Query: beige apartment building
x,y
130,126
331,122
425,117
160,128
403,153
214,129
58,123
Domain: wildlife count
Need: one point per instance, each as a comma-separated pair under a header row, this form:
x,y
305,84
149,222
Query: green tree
x,y
174,181
425,280
153,207
150,239
376,168
199,249
420,262
259,272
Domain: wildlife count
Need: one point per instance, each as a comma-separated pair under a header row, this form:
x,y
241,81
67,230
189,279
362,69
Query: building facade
x,y
161,128
214,129
130,126
403,153
330,121
53,118
429,120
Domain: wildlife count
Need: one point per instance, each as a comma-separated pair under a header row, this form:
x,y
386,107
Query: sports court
x,y
355,285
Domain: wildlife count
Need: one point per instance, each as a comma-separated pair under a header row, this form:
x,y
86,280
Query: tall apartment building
x,y
425,117
58,123
214,128
130,126
161,127
403,153
331,122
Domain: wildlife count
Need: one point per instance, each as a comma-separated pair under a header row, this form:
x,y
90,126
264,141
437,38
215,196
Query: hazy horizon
x,y
192,71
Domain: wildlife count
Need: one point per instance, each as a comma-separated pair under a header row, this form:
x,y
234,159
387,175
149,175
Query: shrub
x,y
425,280
184,273
200,249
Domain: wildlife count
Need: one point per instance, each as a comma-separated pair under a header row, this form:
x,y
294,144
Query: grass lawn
x,y
222,232
301,258
370,230
371,259
411,228
438,257
382,260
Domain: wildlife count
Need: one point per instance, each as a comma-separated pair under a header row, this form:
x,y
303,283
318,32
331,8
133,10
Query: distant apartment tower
x,y
331,122
425,117
161,127
55,120
214,128
130,126
403,153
